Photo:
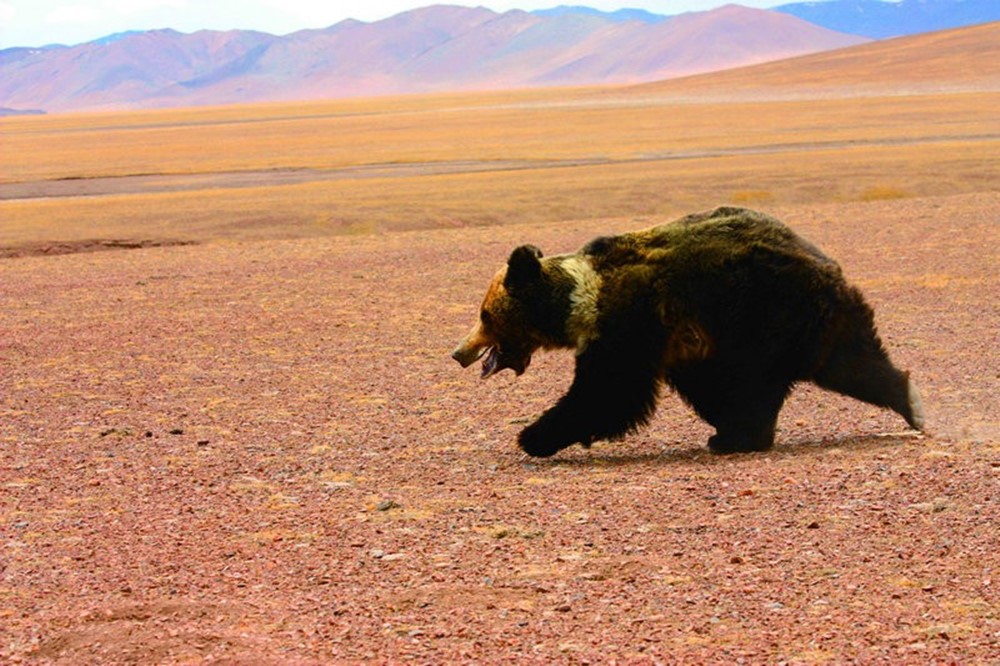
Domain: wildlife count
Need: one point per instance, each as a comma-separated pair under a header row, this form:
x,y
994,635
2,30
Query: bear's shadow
x,y
604,455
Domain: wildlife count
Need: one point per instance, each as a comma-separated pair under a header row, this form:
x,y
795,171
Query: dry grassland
x,y
281,171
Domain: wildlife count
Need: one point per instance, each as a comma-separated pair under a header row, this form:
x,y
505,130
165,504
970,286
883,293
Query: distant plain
x,y
317,169
894,119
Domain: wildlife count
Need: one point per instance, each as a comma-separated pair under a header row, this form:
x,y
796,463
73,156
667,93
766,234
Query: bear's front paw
x,y
540,442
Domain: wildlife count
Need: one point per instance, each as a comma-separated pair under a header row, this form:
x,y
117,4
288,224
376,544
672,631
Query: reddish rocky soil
x,y
262,453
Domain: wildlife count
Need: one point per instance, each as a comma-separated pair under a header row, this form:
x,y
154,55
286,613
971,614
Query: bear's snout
x,y
465,356
472,347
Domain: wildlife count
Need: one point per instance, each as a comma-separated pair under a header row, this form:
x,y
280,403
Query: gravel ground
x,y
262,453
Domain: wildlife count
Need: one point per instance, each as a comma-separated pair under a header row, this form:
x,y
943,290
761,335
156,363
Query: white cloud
x,y
319,14
73,14
7,12
139,7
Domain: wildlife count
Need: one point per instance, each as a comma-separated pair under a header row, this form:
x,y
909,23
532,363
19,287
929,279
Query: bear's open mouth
x,y
491,362
496,359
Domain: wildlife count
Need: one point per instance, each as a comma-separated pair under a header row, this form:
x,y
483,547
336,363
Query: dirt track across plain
x,y
150,183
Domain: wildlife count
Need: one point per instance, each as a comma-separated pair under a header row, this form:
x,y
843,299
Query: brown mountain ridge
x,y
436,48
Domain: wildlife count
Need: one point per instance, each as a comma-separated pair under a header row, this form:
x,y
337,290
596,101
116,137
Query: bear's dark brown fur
x,y
730,308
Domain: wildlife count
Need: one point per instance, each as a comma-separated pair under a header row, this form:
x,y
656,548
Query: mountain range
x,y
436,48
877,19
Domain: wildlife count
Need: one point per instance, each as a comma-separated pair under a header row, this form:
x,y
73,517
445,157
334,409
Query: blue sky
x,y
41,22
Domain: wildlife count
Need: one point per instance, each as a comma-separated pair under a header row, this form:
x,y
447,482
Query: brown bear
x,y
730,308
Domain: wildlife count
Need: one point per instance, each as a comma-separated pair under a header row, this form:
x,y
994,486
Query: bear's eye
x,y
486,318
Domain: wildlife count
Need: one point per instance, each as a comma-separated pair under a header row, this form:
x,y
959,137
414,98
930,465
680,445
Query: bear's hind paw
x,y
726,444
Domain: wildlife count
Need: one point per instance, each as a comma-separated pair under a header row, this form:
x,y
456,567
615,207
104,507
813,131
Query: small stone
x,y
940,632
937,505
386,505
814,525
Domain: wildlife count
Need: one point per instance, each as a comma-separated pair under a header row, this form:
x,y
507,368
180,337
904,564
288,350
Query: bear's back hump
x,y
727,246
729,232
745,274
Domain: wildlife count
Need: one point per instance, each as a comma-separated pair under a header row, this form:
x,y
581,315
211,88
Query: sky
x,y
42,22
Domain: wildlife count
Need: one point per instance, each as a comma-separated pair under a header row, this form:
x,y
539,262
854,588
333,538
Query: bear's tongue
x,y
491,362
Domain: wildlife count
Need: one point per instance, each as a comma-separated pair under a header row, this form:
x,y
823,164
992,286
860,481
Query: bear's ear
x,y
523,267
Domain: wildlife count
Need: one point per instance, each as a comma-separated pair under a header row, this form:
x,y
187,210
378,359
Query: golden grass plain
x,y
361,166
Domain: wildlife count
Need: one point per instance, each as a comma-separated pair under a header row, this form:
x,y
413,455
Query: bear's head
x,y
506,333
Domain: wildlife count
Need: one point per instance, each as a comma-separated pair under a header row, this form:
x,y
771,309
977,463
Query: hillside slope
x,y
963,59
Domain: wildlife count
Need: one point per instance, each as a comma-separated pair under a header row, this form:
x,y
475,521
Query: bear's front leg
x,y
614,392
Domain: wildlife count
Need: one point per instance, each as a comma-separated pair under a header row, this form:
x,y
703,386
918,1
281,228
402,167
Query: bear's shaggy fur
x,y
730,308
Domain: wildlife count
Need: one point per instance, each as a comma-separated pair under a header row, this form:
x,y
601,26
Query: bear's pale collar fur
x,y
581,325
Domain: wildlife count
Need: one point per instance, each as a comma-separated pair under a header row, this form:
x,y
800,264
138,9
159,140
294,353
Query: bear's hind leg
x,y
749,426
859,367
875,380
744,414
